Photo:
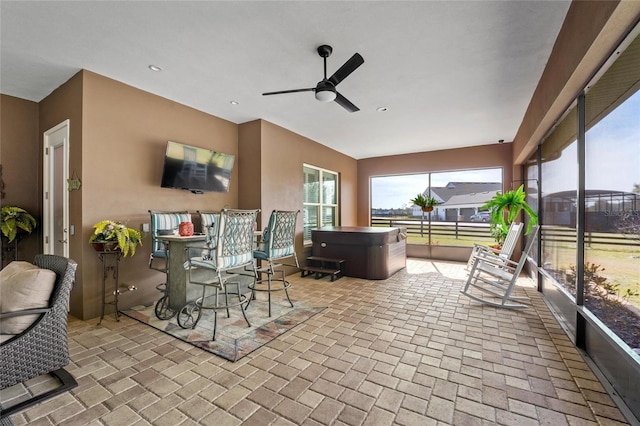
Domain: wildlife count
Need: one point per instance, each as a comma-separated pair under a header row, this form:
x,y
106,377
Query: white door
x,y
55,221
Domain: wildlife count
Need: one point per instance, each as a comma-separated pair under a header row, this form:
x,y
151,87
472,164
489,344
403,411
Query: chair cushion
x,y
260,254
207,220
165,224
23,286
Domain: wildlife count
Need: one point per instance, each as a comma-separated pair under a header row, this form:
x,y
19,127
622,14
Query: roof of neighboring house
x,y
475,198
463,188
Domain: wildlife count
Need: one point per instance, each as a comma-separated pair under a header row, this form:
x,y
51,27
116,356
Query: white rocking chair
x,y
505,252
494,278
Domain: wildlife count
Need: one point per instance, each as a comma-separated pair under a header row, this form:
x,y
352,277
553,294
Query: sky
x,y
612,154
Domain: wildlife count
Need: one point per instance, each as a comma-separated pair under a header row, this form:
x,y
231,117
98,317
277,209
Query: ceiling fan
x,y
326,89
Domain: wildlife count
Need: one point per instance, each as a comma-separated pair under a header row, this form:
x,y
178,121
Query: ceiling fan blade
x,y
345,103
290,91
350,66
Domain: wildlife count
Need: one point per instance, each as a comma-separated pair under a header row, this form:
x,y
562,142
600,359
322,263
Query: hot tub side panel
x,y
369,255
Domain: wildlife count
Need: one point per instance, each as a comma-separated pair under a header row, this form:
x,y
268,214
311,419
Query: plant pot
x,y
427,209
185,229
105,246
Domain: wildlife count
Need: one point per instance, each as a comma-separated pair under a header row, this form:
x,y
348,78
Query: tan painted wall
x,y
20,156
125,131
118,138
282,155
249,165
484,156
66,103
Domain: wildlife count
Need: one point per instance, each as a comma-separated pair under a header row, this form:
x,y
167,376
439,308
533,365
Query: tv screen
x,y
196,169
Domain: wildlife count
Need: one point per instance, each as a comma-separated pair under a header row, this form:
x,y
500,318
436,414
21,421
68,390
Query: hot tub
x,y
373,253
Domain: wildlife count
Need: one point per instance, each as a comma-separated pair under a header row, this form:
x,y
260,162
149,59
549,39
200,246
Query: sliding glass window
x,y
457,219
559,187
589,186
612,197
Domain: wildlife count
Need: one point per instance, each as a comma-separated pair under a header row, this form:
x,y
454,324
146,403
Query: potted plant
x,y
426,203
110,235
15,219
505,209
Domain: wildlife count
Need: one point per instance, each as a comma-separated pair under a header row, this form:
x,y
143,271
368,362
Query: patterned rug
x,y
234,339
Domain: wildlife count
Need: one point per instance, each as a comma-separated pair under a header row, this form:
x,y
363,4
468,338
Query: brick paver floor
x,y
409,350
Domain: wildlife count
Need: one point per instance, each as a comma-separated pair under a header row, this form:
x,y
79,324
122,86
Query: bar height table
x,y
176,274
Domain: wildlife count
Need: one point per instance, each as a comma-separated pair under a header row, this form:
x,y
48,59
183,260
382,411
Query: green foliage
x,y
109,230
421,201
597,285
14,218
629,293
505,209
499,233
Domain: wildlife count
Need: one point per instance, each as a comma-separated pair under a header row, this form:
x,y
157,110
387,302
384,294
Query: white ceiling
x,y
451,73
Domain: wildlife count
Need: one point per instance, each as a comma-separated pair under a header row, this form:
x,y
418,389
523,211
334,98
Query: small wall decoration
x,y
74,183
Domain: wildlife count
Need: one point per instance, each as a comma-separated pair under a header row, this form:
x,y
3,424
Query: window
x,y
320,203
559,187
603,244
531,187
612,197
454,221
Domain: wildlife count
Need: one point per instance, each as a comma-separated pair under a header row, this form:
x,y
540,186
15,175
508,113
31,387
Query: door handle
x,y
62,241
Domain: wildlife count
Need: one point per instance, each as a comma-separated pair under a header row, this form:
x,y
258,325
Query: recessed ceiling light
x,y
234,102
382,109
155,68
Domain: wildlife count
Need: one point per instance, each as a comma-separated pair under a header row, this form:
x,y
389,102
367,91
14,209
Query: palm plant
x,y
505,209
14,218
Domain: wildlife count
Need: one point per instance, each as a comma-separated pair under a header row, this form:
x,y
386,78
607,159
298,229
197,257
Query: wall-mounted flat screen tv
x,y
196,169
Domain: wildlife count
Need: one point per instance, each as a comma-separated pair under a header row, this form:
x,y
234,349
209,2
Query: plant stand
x,y
9,251
110,261
110,254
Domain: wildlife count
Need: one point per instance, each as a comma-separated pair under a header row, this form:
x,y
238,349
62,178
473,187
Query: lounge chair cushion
x,y
23,286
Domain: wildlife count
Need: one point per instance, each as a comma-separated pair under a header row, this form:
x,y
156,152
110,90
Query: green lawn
x,y
448,241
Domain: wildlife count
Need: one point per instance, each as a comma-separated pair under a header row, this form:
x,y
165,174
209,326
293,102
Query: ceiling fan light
x,y
325,95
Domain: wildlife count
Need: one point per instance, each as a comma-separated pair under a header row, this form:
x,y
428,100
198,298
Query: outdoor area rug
x,y
234,339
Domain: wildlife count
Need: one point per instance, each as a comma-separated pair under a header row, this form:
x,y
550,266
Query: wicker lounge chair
x,y
42,347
